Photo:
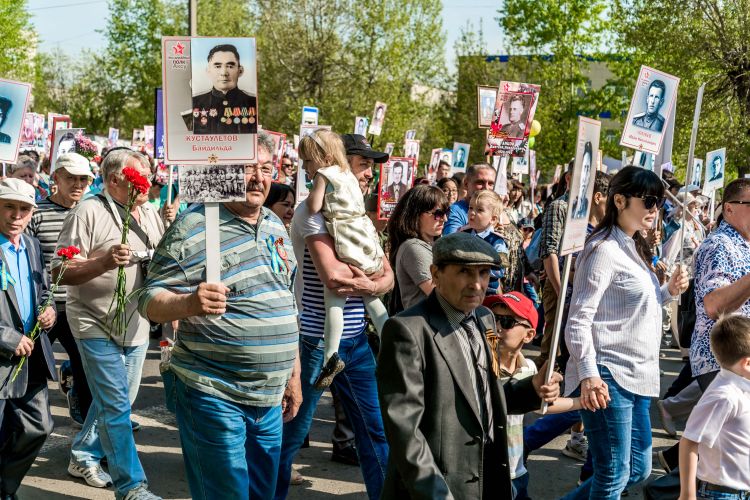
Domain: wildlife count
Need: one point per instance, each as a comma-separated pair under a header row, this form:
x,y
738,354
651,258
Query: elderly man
x,y
236,375
25,419
355,387
478,177
443,407
72,176
112,361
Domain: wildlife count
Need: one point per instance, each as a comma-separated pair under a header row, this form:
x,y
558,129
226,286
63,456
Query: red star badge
x,y
178,48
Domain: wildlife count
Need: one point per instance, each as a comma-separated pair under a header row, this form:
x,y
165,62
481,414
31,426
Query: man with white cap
x,y
72,176
25,419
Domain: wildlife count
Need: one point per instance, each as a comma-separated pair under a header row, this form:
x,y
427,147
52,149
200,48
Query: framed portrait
x,y
644,160
716,166
360,125
27,140
212,183
396,177
138,138
512,115
697,171
378,118
433,165
210,100
411,150
650,110
446,155
460,156
520,165
581,186
486,97
56,122
14,99
112,137
159,127
148,138
65,142
302,184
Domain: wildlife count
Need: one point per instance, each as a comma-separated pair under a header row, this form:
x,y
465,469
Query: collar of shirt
x,y
6,245
226,215
484,233
221,95
455,317
732,233
738,380
520,364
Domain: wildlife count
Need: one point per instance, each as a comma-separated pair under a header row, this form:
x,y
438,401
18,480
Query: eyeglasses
x,y
507,322
438,213
650,202
739,202
266,169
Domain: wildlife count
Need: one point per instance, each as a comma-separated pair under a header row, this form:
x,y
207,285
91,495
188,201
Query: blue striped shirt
x,y
247,355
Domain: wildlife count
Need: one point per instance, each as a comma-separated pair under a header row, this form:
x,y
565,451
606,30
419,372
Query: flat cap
x,y
465,249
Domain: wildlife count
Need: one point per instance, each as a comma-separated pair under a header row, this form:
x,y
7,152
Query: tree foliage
x,y
17,40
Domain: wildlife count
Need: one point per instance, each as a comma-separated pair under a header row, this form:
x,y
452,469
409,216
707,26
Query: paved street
x,y
158,444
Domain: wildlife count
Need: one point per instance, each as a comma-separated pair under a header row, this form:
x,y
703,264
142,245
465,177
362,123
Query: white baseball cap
x,y
75,164
17,190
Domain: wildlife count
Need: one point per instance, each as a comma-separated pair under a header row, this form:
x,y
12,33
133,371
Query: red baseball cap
x,y
517,302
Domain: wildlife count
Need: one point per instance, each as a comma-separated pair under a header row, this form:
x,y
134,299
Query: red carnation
x,y
68,252
139,182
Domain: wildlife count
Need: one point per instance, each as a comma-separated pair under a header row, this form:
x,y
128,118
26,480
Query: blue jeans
x,y
548,428
521,487
705,494
231,451
619,443
114,375
357,390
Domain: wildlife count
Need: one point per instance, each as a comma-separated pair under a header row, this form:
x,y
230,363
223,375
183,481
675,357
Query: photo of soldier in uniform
x,y
14,97
511,119
222,101
378,117
650,118
715,170
486,97
460,156
138,139
215,183
360,125
389,148
512,124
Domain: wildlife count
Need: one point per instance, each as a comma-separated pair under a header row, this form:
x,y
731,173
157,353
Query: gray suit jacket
x,y
430,412
11,330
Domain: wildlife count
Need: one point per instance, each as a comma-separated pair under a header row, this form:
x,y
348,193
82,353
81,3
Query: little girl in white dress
x,y
337,195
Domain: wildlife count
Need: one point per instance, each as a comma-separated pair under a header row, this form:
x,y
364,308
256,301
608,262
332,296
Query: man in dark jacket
x,y
443,409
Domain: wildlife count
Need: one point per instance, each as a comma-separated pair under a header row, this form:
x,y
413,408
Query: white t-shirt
x,y
515,424
720,424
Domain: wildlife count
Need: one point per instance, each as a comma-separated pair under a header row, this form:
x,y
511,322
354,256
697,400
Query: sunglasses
x,y
507,322
738,202
438,214
650,202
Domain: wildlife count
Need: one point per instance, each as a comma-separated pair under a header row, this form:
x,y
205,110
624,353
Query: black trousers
x,y
24,426
61,331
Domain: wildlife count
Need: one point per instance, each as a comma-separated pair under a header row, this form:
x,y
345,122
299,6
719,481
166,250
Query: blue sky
x,y
72,24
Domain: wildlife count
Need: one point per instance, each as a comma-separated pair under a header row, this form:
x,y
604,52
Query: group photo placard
x,y
514,110
212,183
650,110
14,100
210,100
396,177
581,186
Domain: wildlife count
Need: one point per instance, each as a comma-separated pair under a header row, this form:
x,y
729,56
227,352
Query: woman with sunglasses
x,y
614,333
414,225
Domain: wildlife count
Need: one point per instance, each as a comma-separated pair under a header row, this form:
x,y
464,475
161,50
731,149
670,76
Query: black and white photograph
x,y
410,135
447,156
389,148
396,177
138,139
433,165
581,186
212,183
460,156
697,171
112,137
511,119
715,170
650,110
224,91
65,142
486,97
378,117
14,99
360,125
411,149
520,165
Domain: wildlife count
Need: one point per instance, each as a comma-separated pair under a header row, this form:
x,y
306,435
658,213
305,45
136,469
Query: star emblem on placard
x,y
178,48
213,158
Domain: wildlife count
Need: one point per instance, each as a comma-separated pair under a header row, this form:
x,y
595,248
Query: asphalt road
x,y
552,474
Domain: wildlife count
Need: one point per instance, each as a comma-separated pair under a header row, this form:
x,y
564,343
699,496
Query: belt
x,y
720,489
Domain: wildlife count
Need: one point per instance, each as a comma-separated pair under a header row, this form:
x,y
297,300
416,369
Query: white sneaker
x,y
94,476
667,423
140,493
576,449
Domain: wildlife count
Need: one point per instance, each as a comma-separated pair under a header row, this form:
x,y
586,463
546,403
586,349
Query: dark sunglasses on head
x,y
438,214
507,322
650,201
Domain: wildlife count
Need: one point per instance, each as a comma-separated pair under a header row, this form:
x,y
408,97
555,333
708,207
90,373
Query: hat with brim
x,y
357,145
74,164
17,190
465,249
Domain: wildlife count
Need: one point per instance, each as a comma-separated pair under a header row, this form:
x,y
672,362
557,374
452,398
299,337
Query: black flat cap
x,y
465,249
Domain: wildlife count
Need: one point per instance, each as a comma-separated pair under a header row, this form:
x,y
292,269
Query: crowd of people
x,y
420,326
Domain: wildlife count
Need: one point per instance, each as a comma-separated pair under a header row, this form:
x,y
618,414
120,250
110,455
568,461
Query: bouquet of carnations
x,y
86,147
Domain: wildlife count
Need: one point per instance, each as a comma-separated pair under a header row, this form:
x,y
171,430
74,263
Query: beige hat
x,y
74,163
17,190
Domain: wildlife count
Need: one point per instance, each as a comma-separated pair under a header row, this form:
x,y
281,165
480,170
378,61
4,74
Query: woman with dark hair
x,y
614,332
281,200
414,225
449,185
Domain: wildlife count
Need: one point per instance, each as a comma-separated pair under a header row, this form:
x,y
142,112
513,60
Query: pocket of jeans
x,y
317,344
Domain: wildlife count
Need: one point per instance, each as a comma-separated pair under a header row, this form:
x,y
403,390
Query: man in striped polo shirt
x,y
72,175
237,375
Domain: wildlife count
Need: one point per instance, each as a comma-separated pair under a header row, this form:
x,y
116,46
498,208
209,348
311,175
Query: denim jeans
x,y
619,443
548,428
114,375
357,389
521,487
231,451
705,494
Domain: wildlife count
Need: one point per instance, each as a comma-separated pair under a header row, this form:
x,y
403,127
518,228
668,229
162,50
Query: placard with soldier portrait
x,y
212,183
716,165
14,99
460,156
433,165
520,165
512,115
411,149
396,177
486,97
65,142
378,117
210,100
360,125
650,110
581,186
112,137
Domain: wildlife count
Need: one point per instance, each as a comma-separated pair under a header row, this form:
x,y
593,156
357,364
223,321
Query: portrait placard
x,y
112,137
215,121
716,165
212,183
302,184
433,165
389,148
279,146
360,125
581,186
511,119
14,99
460,156
27,140
305,130
697,171
486,97
650,110
396,177
410,135
520,165
148,138
500,164
411,150
58,122
378,117
138,139
65,142
159,127
644,160
309,115
447,156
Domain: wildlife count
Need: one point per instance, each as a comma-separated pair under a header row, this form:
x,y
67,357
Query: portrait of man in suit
x,y
581,201
460,160
396,182
651,119
717,168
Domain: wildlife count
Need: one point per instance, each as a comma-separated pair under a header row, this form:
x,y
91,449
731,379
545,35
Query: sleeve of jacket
x,y
9,337
401,391
520,396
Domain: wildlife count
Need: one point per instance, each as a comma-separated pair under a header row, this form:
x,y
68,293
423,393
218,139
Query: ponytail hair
x,y
324,148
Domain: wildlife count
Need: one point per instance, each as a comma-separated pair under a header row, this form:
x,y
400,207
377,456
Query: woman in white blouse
x,y
614,332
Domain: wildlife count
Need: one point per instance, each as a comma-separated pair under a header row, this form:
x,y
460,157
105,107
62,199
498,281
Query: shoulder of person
x,y
246,95
639,115
88,207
